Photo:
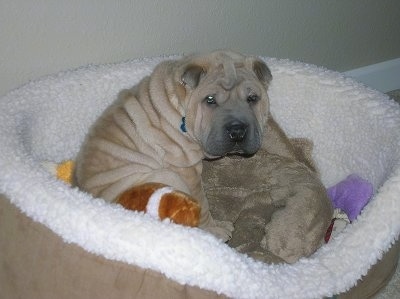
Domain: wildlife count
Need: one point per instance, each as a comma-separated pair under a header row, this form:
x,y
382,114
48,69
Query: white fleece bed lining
x,y
355,130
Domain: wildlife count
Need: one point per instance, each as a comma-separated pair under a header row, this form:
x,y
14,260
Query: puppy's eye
x,y
210,100
252,98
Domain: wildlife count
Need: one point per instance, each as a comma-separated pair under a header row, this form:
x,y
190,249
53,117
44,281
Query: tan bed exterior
x,y
36,263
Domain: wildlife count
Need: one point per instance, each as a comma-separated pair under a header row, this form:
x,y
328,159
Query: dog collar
x,y
183,125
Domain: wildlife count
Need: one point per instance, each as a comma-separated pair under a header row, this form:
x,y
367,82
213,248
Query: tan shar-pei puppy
x,y
197,107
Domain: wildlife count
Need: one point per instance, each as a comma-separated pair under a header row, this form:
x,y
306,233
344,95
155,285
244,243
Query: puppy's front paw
x,y
222,230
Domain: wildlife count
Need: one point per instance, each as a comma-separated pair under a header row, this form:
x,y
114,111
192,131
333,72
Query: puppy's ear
x,y
262,71
191,75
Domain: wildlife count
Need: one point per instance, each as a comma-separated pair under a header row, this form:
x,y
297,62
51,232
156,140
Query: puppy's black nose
x,y
236,131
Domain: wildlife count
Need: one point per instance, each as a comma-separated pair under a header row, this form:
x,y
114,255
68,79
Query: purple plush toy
x,y
351,195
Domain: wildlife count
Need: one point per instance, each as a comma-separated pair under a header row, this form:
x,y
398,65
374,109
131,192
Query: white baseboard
x,y
384,76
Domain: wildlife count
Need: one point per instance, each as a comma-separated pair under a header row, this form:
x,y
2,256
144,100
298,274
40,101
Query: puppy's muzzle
x,y
236,131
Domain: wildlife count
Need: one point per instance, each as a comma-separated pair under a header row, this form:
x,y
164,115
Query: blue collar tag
x,y
183,125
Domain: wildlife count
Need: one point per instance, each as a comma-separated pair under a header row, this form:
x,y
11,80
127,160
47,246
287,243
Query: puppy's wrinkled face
x,y
228,104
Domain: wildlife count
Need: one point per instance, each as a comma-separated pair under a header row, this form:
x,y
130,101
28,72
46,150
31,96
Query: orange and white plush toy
x,y
161,201
157,200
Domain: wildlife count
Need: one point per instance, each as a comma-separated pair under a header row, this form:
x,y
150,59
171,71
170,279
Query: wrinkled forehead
x,y
241,84
229,73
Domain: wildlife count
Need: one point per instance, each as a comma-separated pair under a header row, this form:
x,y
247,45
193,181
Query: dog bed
x,y
57,242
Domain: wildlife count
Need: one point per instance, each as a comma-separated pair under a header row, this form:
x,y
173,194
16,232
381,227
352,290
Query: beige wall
x,y
45,36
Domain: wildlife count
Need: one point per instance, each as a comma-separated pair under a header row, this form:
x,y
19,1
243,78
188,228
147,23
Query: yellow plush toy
x,y
64,171
158,200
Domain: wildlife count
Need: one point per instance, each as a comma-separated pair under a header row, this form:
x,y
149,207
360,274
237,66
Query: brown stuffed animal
x,y
278,206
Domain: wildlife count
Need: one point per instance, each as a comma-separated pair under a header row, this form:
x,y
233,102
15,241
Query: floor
x,y
392,290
